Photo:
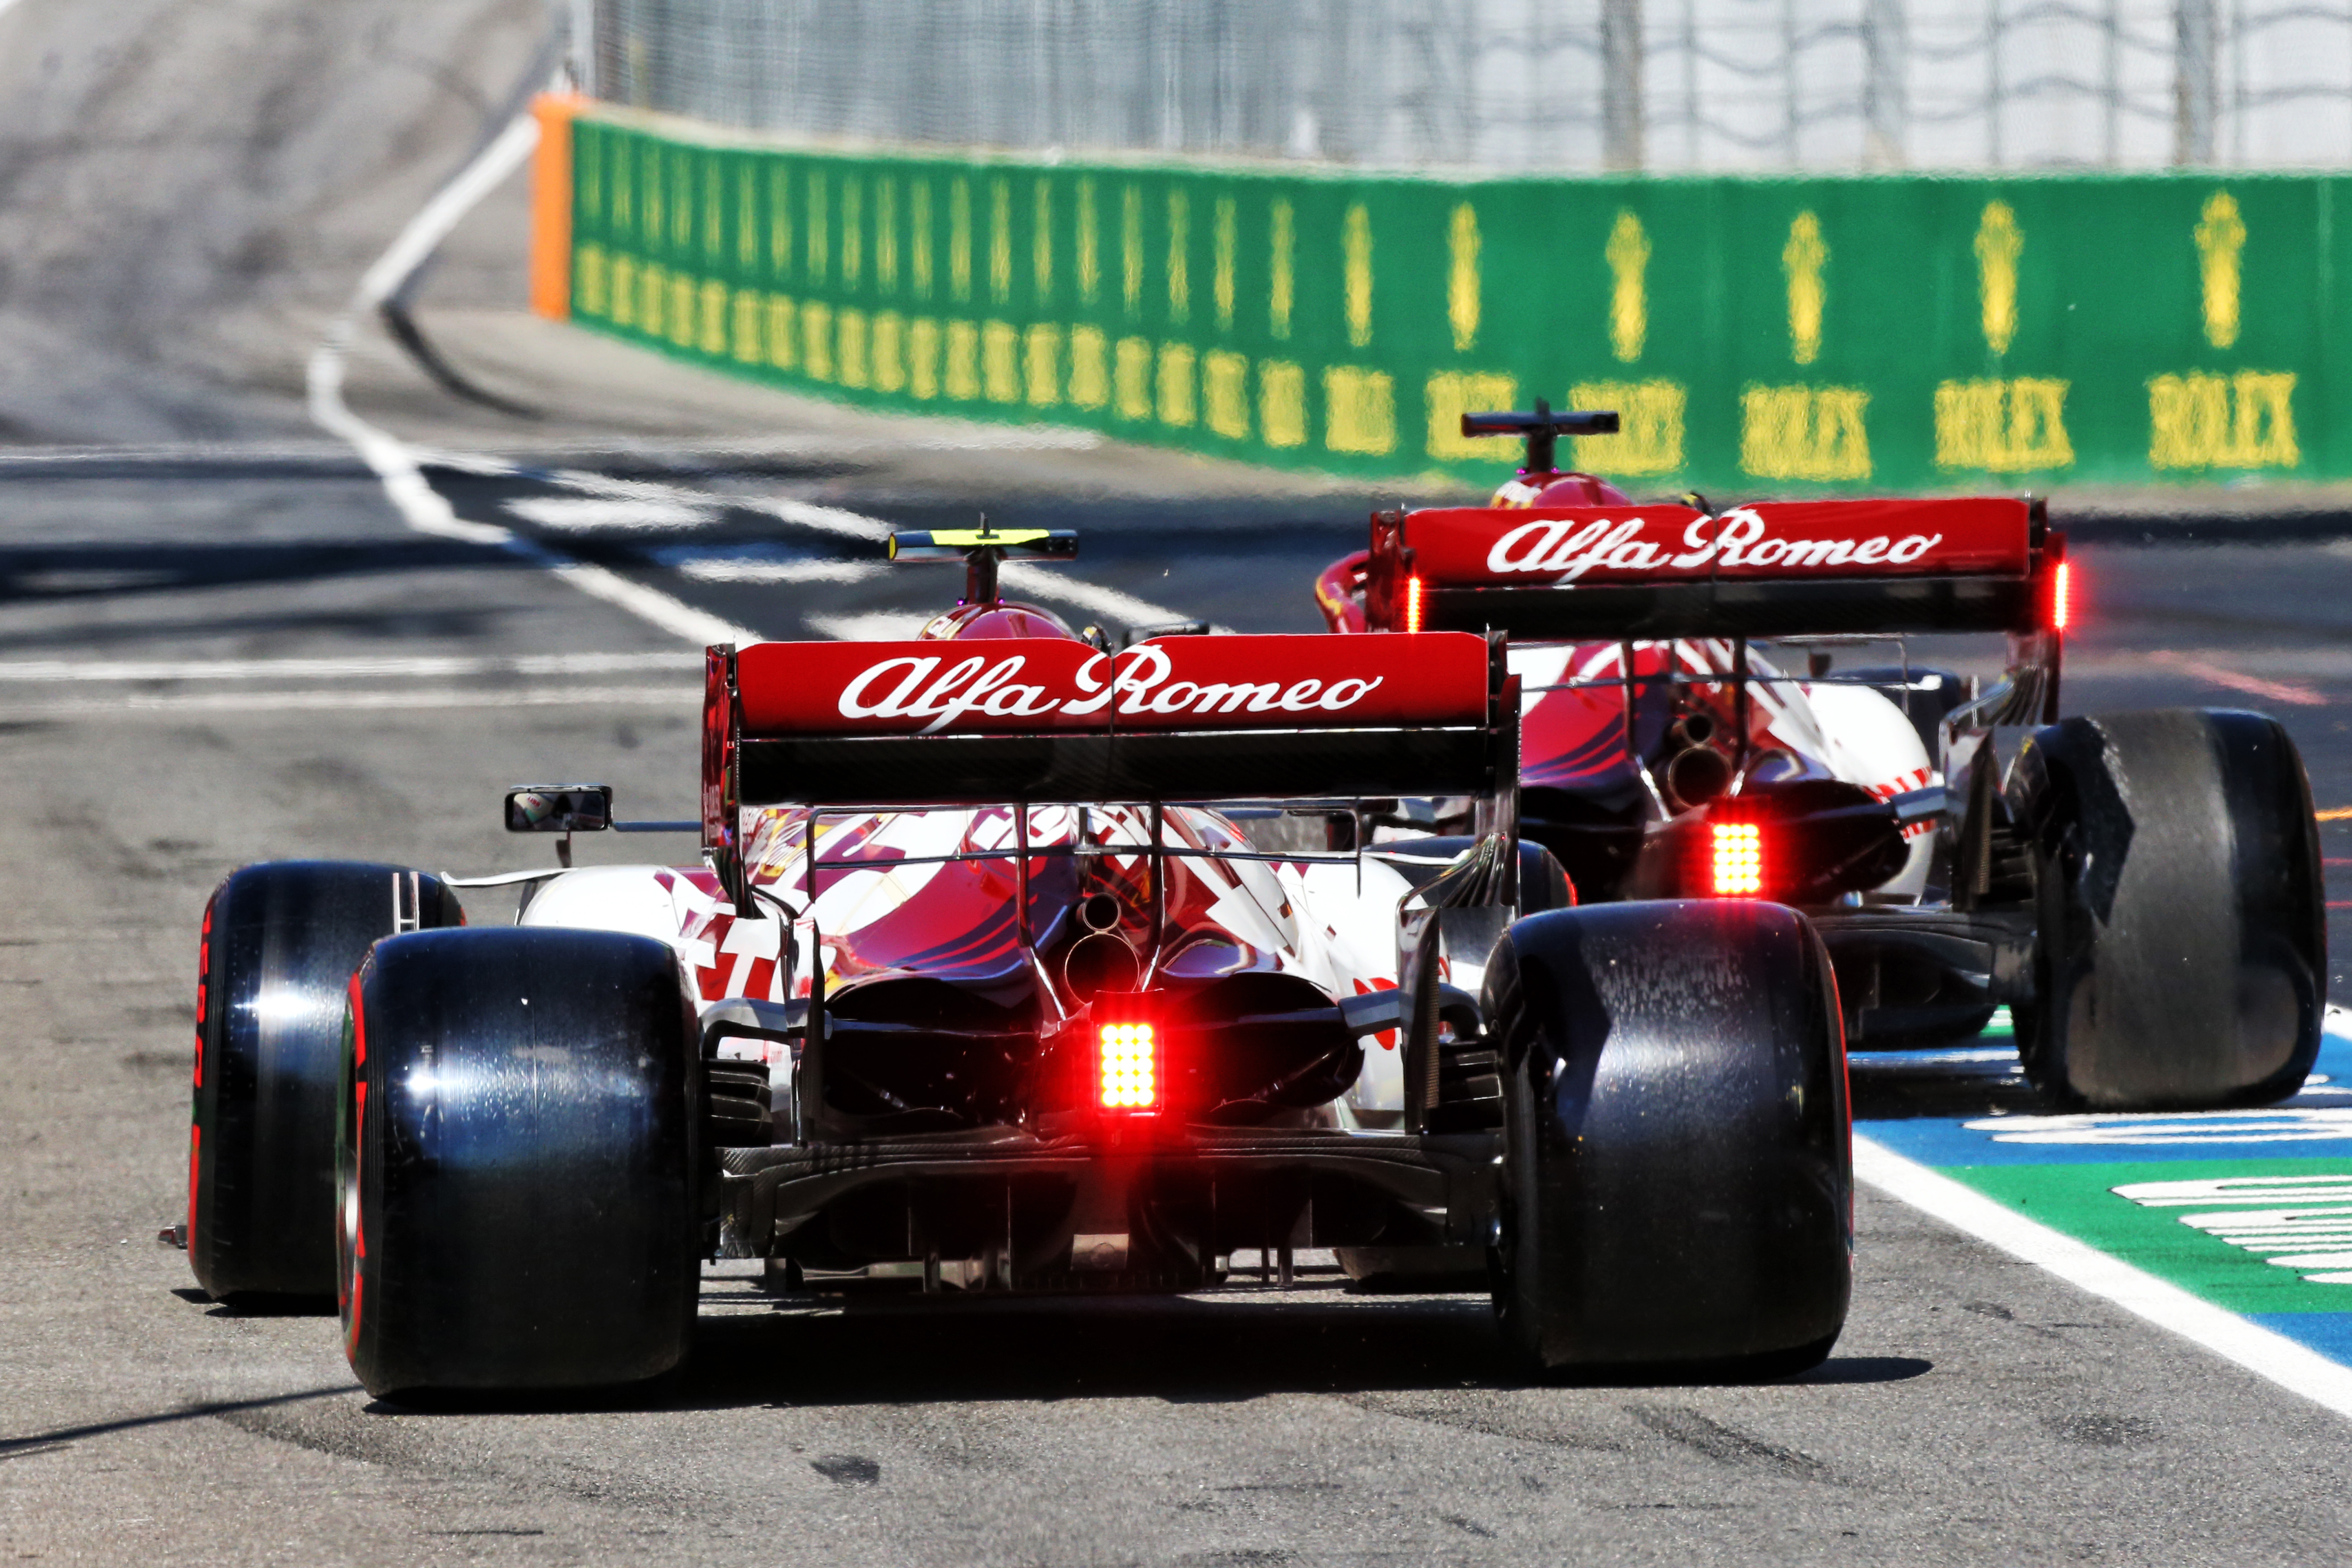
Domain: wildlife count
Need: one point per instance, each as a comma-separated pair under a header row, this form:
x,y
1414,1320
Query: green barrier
x,y
1757,334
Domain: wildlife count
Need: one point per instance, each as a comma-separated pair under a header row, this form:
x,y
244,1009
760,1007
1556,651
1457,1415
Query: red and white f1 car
x,y
1001,971
2141,891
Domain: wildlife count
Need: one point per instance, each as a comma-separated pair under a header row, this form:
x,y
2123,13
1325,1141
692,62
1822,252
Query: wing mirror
x,y
560,808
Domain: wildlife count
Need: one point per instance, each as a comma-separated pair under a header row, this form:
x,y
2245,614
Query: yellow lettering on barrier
x,y
1089,367
853,231
746,203
653,288
1280,285
816,341
624,305
852,369
1649,439
2220,236
714,212
591,279
1178,405
1000,362
2002,427
886,235
1041,241
1802,258
963,360
681,316
1042,365
590,166
1000,240
2205,421
1356,250
1130,245
1222,285
1089,245
919,236
1358,410
714,318
1132,376
1628,254
818,254
1281,404
2000,242
784,331
1452,393
1225,388
1180,246
1804,432
1462,279
745,332
890,350
923,358
680,200
960,240
780,219
649,175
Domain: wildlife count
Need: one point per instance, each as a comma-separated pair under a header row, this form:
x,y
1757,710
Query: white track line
x,y
399,465
2294,1367
419,504
421,667
1126,608
139,705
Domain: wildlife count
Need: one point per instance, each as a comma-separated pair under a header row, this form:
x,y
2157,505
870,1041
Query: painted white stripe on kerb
x,y
2294,1367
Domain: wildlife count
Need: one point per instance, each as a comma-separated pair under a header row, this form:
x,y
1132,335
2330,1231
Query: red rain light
x,y
1738,859
1128,1067
2061,596
1413,604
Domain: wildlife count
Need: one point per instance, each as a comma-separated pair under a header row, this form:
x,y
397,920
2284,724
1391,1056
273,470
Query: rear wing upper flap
x,y
1773,568
1181,718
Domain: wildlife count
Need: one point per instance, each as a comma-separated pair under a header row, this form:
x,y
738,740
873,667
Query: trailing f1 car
x,y
983,985
2141,891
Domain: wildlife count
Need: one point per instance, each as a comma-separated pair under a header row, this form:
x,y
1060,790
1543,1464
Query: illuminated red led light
x,y
1128,1063
1738,859
2061,596
1413,604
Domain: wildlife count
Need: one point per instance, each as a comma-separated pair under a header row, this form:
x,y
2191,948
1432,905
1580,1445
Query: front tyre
x,y
2181,944
516,1151
1678,1174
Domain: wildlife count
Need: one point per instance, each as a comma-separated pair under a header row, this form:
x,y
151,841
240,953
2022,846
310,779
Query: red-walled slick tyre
x,y
279,944
517,1153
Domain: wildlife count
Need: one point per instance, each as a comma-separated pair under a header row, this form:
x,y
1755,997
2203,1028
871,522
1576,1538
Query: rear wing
x,y
1018,721
1776,569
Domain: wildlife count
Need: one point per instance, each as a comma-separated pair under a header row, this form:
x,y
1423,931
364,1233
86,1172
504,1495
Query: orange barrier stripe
x,y
551,207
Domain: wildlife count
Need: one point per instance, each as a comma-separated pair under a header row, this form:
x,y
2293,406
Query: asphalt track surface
x,y
207,663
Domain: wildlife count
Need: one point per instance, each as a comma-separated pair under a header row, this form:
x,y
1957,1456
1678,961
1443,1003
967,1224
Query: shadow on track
x,y
1180,1351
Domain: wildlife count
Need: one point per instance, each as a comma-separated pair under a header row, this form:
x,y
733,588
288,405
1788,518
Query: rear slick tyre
x,y
279,945
517,1153
1678,1170
2181,944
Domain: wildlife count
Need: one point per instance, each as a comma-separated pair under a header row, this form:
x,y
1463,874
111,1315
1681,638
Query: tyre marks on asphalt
x,y
1704,1435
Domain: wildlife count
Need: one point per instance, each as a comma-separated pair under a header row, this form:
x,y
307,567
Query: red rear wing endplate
x,y
1774,568
1186,717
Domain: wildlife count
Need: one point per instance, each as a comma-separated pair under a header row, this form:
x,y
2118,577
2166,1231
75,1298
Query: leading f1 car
x,y
2141,891
1006,969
